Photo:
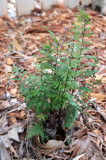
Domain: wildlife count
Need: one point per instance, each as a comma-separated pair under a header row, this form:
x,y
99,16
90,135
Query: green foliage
x,y
61,73
35,130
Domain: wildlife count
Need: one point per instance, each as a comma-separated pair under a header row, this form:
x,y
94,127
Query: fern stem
x,y
60,110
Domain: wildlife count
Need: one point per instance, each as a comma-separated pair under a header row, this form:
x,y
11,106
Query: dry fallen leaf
x,y
54,144
9,61
39,29
13,120
18,47
13,133
13,151
14,91
5,104
8,69
22,114
97,132
99,96
103,80
80,133
17,114
94,153
4,155
81,146
98,76
51,144
78,157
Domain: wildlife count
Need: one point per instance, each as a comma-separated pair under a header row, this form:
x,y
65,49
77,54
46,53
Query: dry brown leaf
x,y
5,104
40,29
14,91
4,155
94,153
13,151
13,119
93,13
81,146
78,157
97,132
19,115
9,61
8,69
22,114
80,133
103,80
54,144
54,156
51,144
99,96
97,157
105,138
98,77
18,47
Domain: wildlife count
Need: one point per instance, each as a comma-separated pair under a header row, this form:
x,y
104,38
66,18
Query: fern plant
x,y
59,84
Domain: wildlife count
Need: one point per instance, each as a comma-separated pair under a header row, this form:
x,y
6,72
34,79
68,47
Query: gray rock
x,y
47,4
99,5
3,8
86,2
24,7
71,3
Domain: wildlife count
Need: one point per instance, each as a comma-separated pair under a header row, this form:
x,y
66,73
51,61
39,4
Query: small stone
x,y
4,96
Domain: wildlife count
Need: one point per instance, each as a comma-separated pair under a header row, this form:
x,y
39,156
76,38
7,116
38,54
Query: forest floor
x,y
20,39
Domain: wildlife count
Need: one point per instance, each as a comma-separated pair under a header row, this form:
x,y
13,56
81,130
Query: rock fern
x,y
59,84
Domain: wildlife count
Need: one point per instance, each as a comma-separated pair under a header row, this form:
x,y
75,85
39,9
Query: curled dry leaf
x,y
13,151
54,144
51,144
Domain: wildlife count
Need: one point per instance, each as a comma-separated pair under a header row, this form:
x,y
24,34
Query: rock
x,y
4,96
99,5
104,9
71,3
24,7
86,2
3,8
47,4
